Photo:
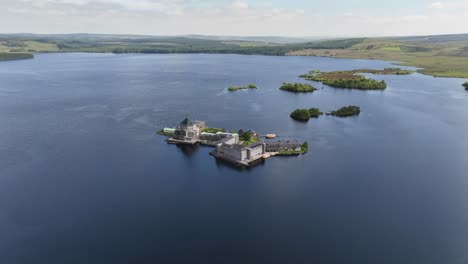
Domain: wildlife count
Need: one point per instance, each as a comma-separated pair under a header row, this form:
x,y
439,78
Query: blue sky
x,y
236,17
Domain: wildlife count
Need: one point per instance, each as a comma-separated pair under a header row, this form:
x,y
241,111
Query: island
x,y
303,115
298,87
466,86
242,148
237,88
347,79
346,111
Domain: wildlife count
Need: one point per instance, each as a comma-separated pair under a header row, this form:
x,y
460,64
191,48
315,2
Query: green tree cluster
x,y
347,111
15,44
246,137
298,87
360,84
315,112
305,147
15,56
348,80
304,115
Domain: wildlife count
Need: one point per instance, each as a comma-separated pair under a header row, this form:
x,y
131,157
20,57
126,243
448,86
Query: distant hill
x,y
434,39
266,39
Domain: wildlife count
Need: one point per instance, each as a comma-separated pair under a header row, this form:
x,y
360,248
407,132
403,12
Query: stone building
x,y
241,153
220,137
188,131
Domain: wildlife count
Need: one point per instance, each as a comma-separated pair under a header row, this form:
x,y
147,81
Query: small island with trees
x,y
348,79
298,87
304,115
466,86
237,88
346,111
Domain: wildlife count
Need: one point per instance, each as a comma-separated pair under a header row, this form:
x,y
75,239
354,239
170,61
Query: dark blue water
x,y
84,179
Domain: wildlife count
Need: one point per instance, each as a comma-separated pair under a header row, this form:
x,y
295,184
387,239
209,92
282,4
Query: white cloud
x,y
237,17
451,5
438,5
240,5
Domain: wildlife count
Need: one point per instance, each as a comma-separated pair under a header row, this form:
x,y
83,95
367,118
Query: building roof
x,y
239,147
258,144
186,122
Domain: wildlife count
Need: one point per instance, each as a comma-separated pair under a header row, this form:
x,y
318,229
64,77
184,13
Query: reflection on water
x,y
188,150
254,165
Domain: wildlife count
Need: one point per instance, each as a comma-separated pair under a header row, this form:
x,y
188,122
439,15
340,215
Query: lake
x,y
85,179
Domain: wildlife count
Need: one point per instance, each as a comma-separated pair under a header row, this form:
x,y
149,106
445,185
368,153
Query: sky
x,y
295,18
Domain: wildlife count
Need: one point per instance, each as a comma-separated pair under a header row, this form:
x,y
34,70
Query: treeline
x,y
15,56
328,44
359,84
260,50
166,45
189,45
15,44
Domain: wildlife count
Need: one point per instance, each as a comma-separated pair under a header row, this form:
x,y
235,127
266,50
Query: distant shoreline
x,y
438,56
15,56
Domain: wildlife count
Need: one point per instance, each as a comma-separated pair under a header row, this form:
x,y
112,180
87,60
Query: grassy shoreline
x,y
446,59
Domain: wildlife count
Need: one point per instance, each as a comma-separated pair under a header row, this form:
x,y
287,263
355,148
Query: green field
x,y
29,46
447,59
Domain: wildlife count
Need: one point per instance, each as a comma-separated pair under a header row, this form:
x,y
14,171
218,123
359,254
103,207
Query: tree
x,y
246,136
301,115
